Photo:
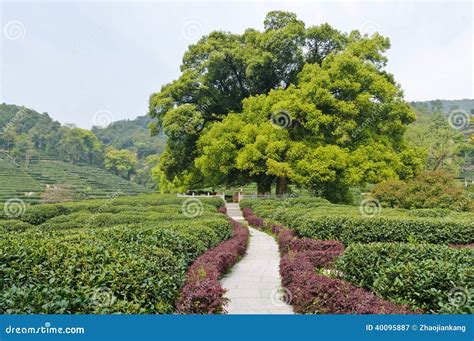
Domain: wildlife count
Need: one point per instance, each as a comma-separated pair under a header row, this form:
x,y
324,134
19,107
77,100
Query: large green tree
x,y
221,70
79,145
308,105
341,124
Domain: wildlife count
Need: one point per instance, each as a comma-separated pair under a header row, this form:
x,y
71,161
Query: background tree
x,y
79,145
121,162
445,146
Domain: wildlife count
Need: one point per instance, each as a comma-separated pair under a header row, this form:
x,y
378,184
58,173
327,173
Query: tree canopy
x,y
313,106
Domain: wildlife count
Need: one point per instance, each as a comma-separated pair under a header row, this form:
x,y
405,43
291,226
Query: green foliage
x,y
14,225
445,145
347,224
344,115
421,275
36,215
79,145
434,189
123,255
53,181
134,135
27,136
121,162
224,69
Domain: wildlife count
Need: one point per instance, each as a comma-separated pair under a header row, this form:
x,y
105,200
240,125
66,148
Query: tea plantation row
x,y
400,255
123,255
317,218
50,180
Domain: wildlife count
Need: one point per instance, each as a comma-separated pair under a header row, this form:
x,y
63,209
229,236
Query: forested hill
x,y
28,137
445,106
27,133
132,135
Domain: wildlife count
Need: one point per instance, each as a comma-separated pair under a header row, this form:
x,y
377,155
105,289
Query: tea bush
x,y
123,255
421,275
386,254
346,223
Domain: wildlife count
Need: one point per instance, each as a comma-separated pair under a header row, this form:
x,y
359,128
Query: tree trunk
x,y
281,185
264,186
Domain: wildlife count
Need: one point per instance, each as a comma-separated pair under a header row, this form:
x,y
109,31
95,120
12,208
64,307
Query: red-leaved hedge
x,y
252,219
313,293
202,292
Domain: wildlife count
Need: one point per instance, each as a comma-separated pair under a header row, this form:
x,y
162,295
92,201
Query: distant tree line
x,y
125,148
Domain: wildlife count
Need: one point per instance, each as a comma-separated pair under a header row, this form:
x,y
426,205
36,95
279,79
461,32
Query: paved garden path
x,y
253,285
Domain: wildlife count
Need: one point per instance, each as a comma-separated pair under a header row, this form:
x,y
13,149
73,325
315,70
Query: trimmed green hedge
x,y
346,223
121,259
422,275
433,277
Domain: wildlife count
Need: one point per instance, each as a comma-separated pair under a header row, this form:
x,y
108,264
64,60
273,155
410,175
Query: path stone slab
x,y
254,283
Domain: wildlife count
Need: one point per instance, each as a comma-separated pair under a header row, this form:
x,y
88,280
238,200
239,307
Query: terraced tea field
x,y
50,180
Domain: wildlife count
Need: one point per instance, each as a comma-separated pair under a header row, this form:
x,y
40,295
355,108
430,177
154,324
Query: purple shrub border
x,y
313,293
252,219
202,292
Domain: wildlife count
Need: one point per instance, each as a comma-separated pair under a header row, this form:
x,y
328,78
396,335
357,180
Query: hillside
x,y
449,114
47,180
27,135
445,106
133,135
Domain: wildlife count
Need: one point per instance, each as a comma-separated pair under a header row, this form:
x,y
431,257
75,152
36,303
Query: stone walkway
x,y
254,285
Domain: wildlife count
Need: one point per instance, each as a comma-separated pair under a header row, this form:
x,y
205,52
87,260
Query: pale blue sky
x,y
75,59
